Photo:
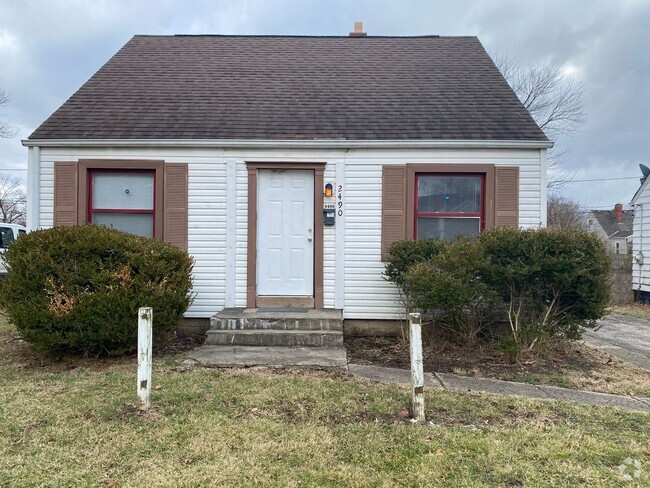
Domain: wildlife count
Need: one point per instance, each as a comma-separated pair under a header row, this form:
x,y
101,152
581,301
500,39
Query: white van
x,y
8,234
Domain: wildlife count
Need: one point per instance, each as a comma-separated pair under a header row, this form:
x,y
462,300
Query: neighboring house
x,y
286,165
641,244
614,227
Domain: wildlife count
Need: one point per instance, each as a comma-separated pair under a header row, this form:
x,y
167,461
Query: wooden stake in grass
x,y
417,371
145,339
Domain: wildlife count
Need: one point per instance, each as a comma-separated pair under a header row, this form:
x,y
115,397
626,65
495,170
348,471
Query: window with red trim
x,y
122,199
449,205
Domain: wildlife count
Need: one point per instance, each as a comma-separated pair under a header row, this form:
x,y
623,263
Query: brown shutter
x,y
65,193
506,202
175,205
393,206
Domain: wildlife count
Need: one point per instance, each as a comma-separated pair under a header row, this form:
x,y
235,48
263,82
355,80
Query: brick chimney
x,y
358,30
618,213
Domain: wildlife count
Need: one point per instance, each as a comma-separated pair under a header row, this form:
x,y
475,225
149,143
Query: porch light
x,y
329,190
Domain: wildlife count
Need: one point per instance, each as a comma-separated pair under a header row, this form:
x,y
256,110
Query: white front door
x,y
285,232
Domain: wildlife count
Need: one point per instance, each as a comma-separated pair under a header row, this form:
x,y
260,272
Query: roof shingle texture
x,y
295,88
607,221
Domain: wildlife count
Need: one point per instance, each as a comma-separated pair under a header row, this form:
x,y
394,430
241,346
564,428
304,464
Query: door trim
x,y
251,250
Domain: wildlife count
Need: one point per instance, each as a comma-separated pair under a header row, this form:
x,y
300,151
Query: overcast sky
x,y
48,49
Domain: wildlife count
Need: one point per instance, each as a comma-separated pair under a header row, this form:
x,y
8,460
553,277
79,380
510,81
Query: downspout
x,y
638,256
33,187
543,194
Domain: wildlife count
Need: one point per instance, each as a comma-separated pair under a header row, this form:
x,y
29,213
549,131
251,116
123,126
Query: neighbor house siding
x,y
362,291
641,241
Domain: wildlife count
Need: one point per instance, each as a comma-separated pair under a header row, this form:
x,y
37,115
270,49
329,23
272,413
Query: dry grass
x,y
634,309
74,424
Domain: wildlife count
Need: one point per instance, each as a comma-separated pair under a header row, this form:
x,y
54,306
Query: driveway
x,y
624,337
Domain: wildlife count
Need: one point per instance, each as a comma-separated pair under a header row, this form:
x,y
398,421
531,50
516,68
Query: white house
x,y
286,164
641,243
613,227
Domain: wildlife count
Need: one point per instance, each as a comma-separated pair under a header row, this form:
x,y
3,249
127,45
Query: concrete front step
x,y
275,357
277,319
275,337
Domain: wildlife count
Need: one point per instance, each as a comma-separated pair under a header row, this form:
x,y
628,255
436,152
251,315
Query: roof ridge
x,y
301,36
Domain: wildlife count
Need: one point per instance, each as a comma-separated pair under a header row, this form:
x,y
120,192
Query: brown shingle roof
x,y
288,87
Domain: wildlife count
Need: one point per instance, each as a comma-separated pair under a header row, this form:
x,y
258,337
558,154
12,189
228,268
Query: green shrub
x,y
402,255
553,282
549,283
449,286
76,290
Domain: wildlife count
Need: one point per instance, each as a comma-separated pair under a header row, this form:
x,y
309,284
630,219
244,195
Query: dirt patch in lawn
x,y
15,351
570,365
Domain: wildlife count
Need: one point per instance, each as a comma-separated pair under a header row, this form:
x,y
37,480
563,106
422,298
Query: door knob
x,y
309,239
309,230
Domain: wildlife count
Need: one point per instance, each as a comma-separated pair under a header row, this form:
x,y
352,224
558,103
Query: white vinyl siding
x,y
641,241
206,211
367,295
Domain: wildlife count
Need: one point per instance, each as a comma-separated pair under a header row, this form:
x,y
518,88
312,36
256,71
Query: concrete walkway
x,y
498,387
624,337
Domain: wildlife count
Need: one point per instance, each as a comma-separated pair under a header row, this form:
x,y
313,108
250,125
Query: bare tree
x,y
13,200
5,129
564,213
553,99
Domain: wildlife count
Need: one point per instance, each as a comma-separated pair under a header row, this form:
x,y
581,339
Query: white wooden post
x,y
417,367
145,336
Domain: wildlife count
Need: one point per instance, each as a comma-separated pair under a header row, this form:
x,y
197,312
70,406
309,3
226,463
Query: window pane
x,y
141,224
457,194
21,232
6,237
123,191
447,229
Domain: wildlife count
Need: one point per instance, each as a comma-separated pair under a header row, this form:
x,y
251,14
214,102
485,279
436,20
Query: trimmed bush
x,y
402,255
76,290
553,282
449,285
547,283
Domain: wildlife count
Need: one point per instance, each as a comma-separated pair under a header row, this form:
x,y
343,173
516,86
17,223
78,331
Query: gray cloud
x,y
49,49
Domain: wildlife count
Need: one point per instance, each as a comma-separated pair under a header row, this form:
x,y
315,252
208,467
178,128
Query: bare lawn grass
x,y
74,423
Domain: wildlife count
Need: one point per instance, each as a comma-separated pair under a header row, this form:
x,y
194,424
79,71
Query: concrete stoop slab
x,y
278,357
276,318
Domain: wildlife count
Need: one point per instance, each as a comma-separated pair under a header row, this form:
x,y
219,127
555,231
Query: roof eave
x,y
312,144
639,191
